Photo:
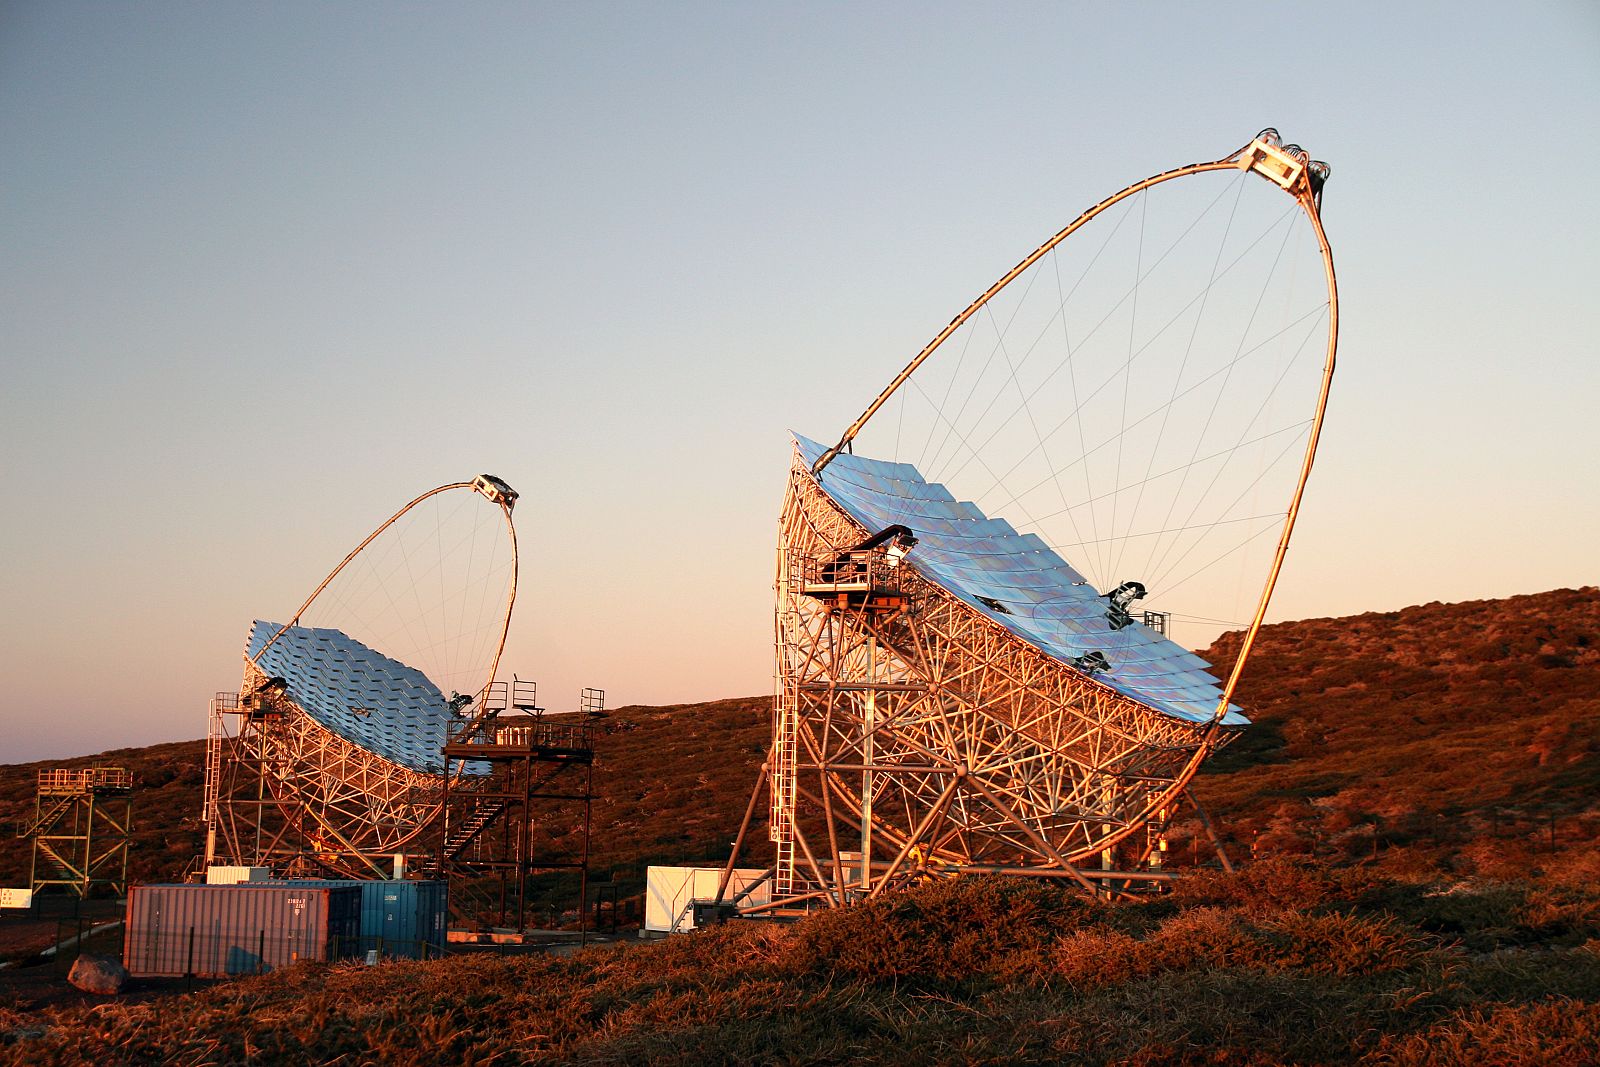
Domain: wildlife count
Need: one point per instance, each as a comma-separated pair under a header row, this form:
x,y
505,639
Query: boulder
x,y
96,974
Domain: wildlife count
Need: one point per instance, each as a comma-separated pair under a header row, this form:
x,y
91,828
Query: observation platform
x,y
550,739
97,781
859,580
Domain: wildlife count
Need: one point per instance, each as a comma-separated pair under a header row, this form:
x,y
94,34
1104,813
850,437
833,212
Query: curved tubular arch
x,y
1229,162
511,593
1308,195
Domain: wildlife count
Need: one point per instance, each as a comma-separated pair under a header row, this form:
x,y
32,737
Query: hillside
x,y
1465,730
167,835
1448,733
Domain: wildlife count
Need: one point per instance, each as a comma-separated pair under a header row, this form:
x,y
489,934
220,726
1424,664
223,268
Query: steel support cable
x,y
1308,201
1165,473
511,592
472,559
1157,477
1228,163
438,666
381,582
1083,459
1205,567
1127,375
1032,422
987,363
1075,403
1217,400
1223,164
352,555
966,344
967,341
1061,305
1181,529
483,595
1173,320
1188,349
1159,578
974,454
1260,408
1126,295
416,596
998,482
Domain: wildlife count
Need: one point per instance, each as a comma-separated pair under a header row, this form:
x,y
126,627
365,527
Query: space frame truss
x,y
913,736
284,791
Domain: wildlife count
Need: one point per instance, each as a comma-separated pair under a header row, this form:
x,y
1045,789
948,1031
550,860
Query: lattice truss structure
x,y
286,792
917,733
502,830
82,823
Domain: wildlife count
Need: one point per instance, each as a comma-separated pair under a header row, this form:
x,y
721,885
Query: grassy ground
x,y
1287,962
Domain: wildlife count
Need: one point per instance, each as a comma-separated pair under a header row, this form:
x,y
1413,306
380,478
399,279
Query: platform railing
x,y
870,569
523,731
58,780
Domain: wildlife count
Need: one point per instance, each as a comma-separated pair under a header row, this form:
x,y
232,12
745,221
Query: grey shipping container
x,y
398,918
217,930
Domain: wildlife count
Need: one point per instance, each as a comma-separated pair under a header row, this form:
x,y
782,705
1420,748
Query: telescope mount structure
x,y
953,696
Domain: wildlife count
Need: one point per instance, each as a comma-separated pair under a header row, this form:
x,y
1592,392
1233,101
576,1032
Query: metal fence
x,y
199,953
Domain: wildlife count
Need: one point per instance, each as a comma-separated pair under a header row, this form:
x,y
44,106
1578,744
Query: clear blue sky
x,y
269,270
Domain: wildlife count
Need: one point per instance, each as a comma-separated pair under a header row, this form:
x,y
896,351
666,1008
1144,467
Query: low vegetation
x,y
1289,961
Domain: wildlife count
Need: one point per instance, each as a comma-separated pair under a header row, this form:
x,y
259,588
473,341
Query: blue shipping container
x,y
398,918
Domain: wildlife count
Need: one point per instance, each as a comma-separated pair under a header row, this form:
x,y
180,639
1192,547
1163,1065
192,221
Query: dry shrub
x,y
1208,940
1277,883
1559,915
1086,960
941,932
1480,916
1205,939
1413,865
1166,1054
1343,945
1554,1032
1579,869
1497,860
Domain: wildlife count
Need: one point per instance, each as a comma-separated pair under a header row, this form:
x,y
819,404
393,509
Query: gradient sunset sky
x,y
270,270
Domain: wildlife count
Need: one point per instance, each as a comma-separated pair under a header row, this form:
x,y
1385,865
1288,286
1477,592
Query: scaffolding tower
x,y
82,821
499,828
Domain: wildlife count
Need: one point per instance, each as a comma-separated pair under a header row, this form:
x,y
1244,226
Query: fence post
x,y
188,969
261,951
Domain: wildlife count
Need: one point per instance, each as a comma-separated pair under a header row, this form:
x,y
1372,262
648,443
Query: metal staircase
x,y
47,817
478,821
